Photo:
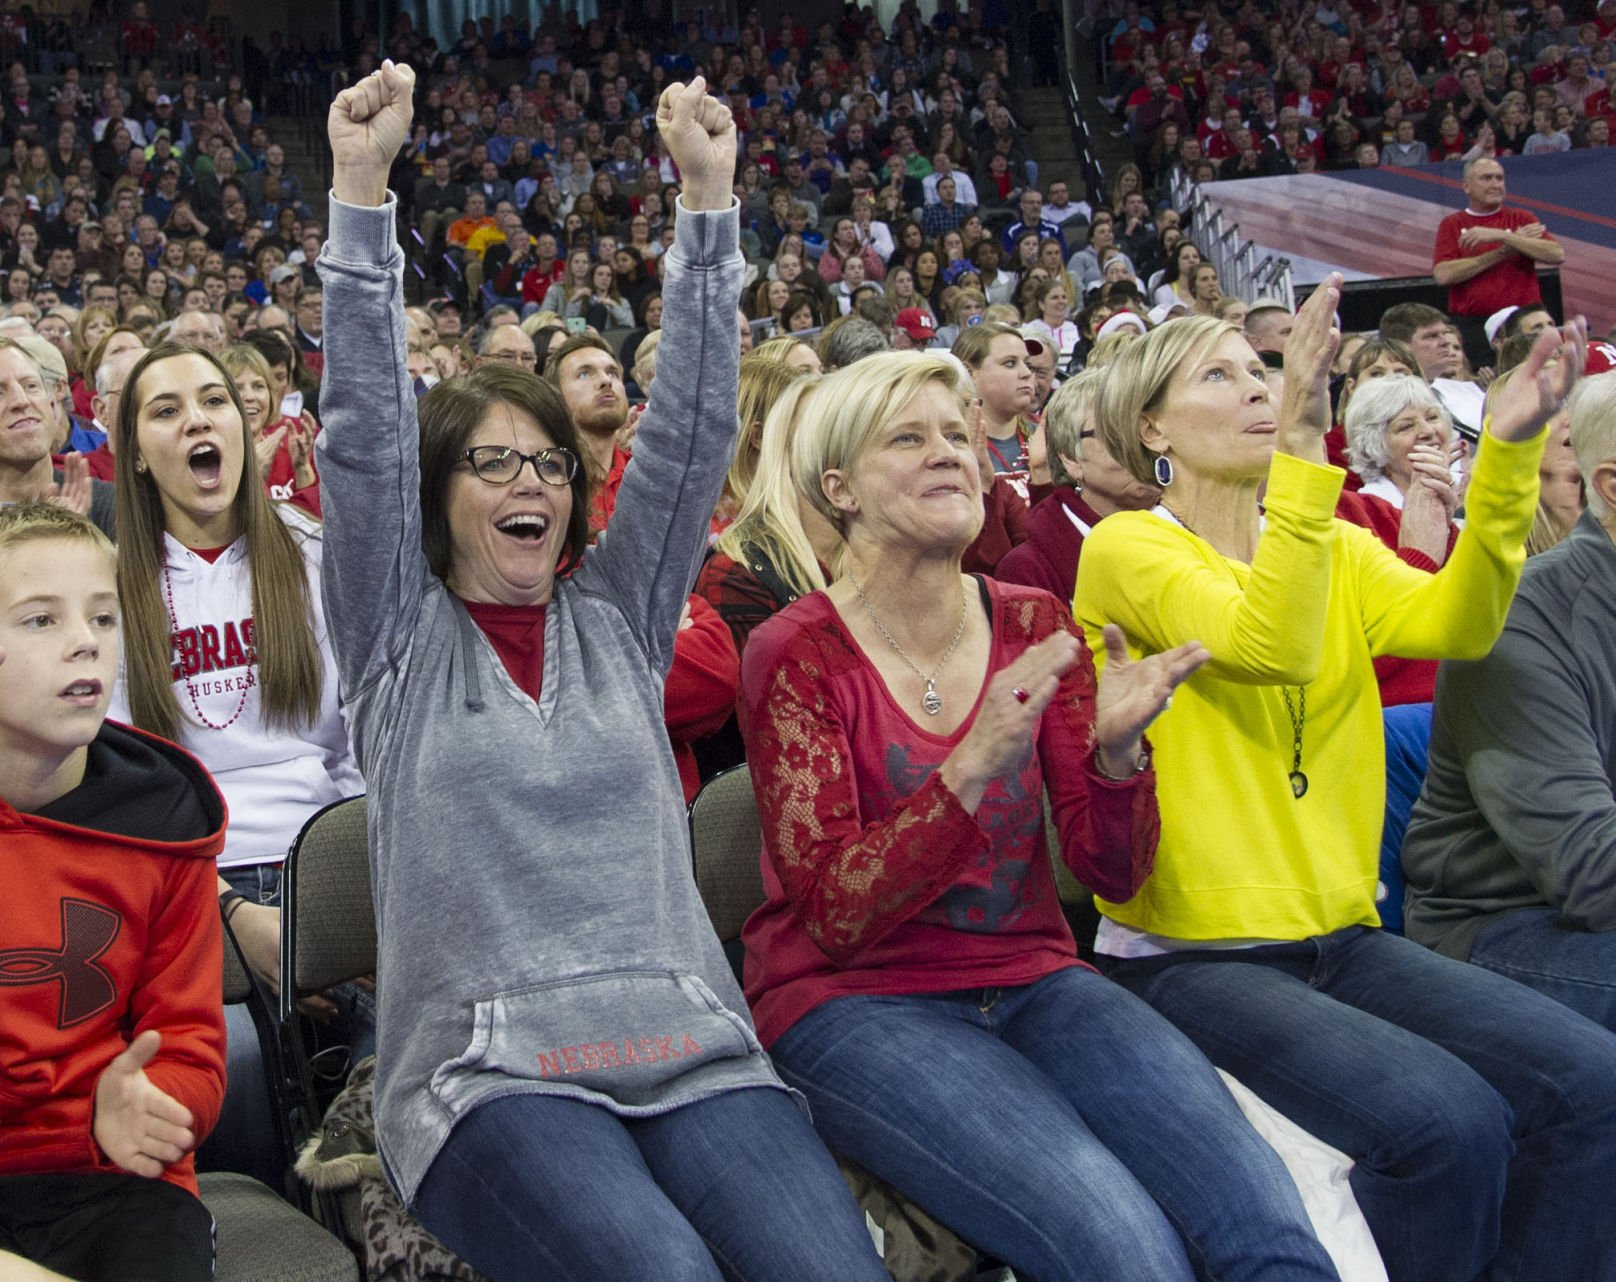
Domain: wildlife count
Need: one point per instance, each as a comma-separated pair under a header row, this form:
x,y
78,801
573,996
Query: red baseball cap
x,y
917,323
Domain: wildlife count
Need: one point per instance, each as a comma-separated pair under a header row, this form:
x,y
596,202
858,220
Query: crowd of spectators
x,y
1244,91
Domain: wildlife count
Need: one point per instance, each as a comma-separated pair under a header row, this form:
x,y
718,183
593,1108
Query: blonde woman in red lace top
x,y
911,971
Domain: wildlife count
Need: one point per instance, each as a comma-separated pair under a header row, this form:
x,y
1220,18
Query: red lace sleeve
x,y
1108,829
850,883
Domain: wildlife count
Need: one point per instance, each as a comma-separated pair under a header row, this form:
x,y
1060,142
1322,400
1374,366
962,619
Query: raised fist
x,y
699,133
368,124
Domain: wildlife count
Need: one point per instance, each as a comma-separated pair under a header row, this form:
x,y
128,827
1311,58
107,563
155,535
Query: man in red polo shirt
x,y
1487,255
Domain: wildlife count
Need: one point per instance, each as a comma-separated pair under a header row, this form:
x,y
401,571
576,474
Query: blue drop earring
x,y
1163,468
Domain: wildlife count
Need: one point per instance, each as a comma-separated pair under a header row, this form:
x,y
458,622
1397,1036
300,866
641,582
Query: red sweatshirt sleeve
x,y
704,677
179,994
850,884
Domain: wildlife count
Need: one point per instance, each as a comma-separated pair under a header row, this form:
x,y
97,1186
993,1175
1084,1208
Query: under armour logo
x,y
87,989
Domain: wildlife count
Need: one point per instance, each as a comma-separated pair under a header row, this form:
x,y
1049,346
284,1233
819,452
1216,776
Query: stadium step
x,y
1112,153
1050,143
306,157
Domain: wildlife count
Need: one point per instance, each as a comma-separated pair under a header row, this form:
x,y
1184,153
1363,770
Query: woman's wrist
x,y
1122,763
363,188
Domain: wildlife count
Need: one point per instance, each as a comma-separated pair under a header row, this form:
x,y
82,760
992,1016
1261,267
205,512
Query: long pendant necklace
x,y
931,701
190,690
1297,711
1298,718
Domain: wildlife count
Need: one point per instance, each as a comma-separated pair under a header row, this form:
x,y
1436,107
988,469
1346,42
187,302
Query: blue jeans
x,y
245,1139
735,1186
1408,742
1481,1115
1062,1126
1575,967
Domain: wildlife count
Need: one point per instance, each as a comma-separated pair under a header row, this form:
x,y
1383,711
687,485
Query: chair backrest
x,y
328,924
237,986
727,842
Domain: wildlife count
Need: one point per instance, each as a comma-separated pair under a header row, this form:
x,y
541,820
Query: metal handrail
x,y
1241,272
1082,142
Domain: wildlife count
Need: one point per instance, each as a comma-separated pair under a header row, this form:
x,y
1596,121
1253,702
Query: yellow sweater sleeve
x,y
1458,612
1164,587
1241,856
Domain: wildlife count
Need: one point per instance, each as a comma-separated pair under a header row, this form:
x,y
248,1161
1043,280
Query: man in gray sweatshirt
x,y
1510,855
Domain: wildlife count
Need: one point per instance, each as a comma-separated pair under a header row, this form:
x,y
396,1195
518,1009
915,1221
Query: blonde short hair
x,y
645,358
851,407
1593,432
237,359
1136,383
37,520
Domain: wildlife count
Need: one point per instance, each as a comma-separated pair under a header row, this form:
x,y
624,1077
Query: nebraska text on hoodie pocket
x,y
624,1034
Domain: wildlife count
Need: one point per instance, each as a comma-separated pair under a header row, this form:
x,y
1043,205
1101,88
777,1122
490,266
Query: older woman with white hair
x,y
1400,441
910,970
1393,425
1089,486
1480,1116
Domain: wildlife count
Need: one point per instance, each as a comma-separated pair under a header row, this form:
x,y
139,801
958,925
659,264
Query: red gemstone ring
x,y
1020,693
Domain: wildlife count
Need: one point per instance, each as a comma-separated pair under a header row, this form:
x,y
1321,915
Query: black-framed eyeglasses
x,y
500,464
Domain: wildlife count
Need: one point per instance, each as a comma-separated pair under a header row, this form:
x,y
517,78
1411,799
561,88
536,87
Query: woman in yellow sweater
x,y
1481,1118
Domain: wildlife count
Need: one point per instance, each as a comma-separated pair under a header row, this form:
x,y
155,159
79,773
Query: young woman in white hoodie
x,y
225,645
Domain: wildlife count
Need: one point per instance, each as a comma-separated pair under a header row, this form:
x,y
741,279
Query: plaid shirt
x,y
937,218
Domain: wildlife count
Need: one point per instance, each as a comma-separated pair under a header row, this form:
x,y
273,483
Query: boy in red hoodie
x,y
111,1022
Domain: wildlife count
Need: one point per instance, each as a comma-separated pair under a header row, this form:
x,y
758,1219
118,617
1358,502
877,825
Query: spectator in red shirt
x,y
1486,255
906,874
699,695
140,36
1308,101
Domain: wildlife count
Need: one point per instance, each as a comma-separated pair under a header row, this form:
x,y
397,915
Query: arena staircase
x,y
308,155
1053,141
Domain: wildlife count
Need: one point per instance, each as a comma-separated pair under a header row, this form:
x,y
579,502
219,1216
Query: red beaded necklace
x,y
190,690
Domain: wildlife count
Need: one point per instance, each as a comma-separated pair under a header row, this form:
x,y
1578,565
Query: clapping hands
x,y
1304,406
1133,693
73,490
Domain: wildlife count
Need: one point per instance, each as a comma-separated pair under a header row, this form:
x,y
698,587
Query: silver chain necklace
x,y
931,701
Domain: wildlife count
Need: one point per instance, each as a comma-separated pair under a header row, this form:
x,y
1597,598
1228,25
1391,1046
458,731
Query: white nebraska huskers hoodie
x,y
273,779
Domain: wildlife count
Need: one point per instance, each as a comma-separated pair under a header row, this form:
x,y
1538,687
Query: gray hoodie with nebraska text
x,y
540,930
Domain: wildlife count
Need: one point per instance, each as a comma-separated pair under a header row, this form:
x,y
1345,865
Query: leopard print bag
x,y
341,1160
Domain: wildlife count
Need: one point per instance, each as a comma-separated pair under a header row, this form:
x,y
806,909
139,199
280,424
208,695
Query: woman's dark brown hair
x,y
452,411
289,668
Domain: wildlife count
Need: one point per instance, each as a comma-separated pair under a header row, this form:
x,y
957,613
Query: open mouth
x,y
527,527
83,694
206,463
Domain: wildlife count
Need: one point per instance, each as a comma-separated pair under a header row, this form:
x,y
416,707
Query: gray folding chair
x,y
262,1237
328,924
726,842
